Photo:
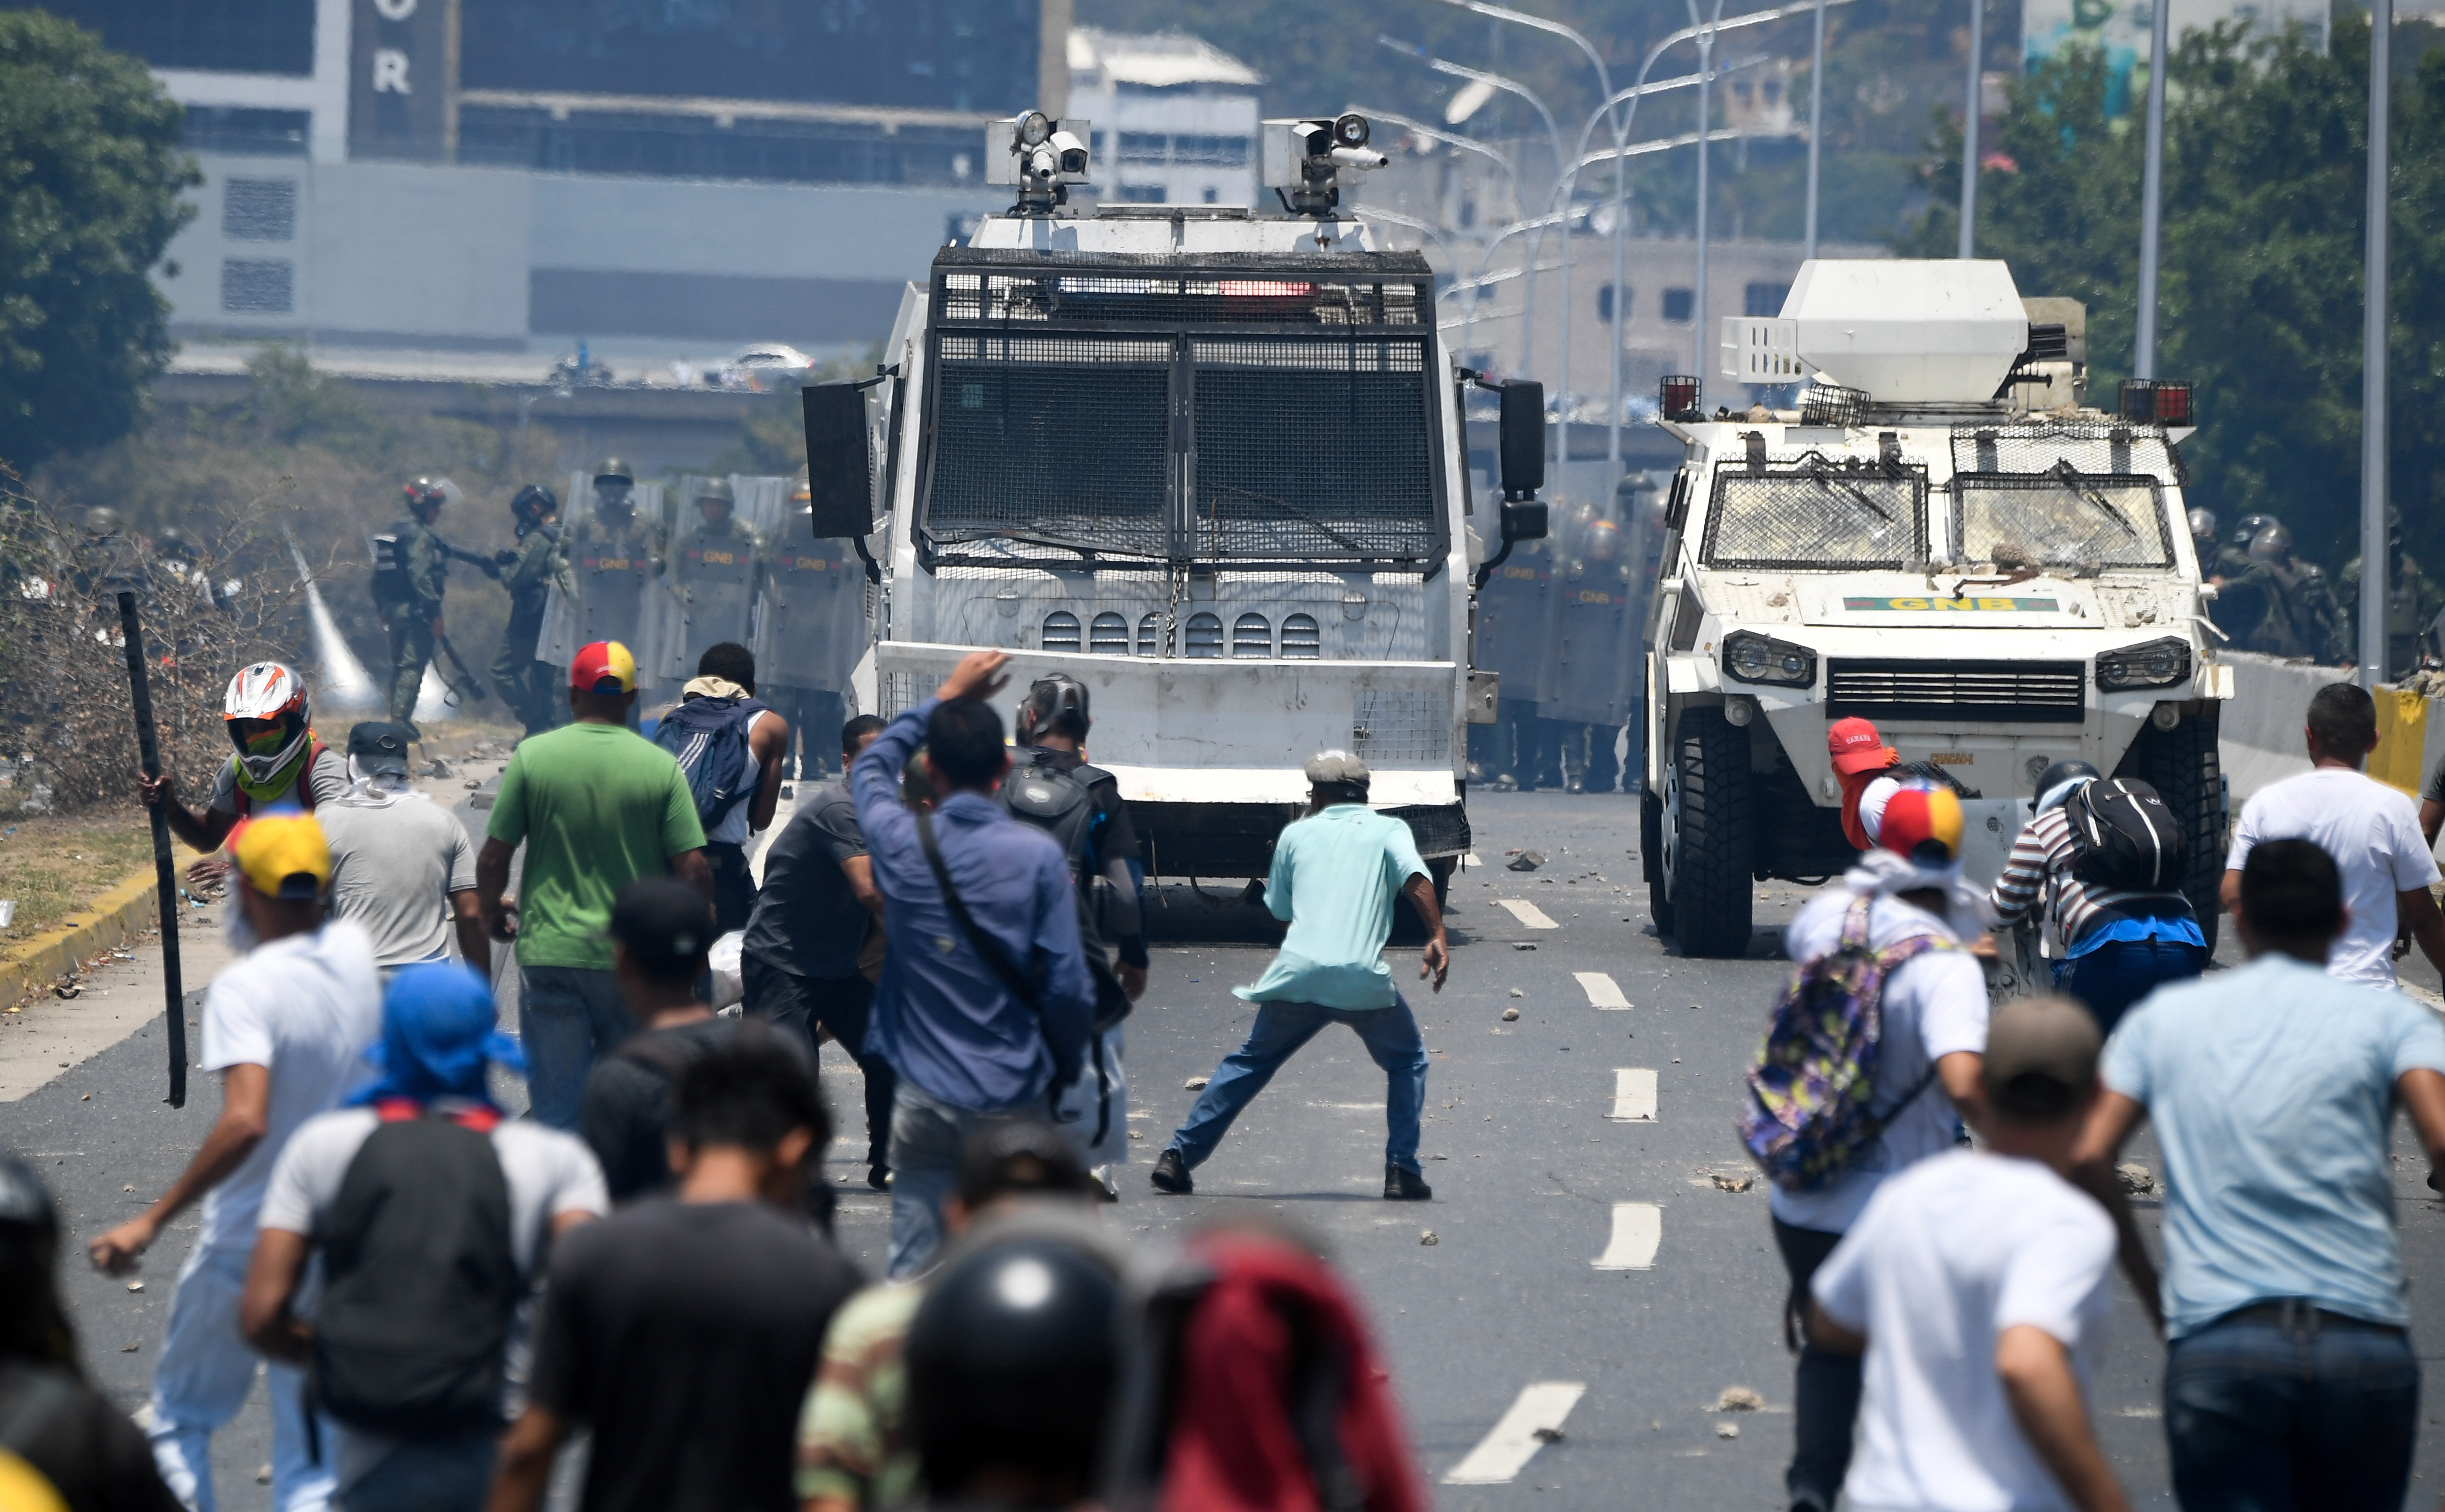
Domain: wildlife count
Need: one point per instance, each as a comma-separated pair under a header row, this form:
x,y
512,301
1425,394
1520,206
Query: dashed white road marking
x,y
1603,991
1633,1096
1527,913
1637,1230
1535,1419
1470,860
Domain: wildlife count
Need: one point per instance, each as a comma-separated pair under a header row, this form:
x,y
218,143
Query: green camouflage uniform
x,y
532,689
2287,609
408,611
2412,599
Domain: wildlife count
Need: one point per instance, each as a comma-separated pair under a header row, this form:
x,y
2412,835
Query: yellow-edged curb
x,y
113,919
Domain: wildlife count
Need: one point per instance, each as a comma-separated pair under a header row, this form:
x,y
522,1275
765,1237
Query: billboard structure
x,y
2119,28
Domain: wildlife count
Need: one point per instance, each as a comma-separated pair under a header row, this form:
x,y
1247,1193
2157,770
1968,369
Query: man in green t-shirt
x,y
597,806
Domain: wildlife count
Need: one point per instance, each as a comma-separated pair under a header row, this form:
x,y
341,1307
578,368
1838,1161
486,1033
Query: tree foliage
x,y
2261,292
91,175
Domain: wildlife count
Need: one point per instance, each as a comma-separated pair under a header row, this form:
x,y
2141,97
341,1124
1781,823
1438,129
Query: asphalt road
x,y
1534,1184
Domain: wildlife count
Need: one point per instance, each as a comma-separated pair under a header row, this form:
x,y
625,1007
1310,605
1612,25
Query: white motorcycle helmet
x,y
267,691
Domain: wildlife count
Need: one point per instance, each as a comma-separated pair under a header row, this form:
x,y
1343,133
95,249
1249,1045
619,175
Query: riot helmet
x,y
716,491
2061,780
615,482
2247,530
33,1325
1012,1361
1056,704
532,504
425,496
2203,524
172,542
2272,544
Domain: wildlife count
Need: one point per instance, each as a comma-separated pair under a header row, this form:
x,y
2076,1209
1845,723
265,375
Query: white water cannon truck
x,y
1206,461
1942,538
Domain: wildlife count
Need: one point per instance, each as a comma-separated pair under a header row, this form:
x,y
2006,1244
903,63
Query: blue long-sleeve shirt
x,y
942,1018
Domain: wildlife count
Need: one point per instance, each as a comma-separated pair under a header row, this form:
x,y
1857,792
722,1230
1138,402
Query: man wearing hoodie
x,y
1906,890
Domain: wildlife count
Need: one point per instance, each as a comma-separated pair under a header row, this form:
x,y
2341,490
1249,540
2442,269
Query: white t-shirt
x,y
304,1008
549,1173
1948,1256
1873,799
2373,833
1935,1005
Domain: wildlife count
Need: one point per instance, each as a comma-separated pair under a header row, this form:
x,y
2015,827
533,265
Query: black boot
x,y
1406,1186
1171,1174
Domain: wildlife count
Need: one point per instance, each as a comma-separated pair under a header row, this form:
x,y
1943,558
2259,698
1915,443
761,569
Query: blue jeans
x,y
202,1378
424,1475
1391,1035
567,1016
928,1136
2110,978
2283,1408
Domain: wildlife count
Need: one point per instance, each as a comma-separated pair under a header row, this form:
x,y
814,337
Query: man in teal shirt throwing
x,y
1336,875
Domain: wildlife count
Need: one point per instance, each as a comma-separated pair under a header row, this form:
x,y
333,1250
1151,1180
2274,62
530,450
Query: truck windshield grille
x,y
2014,692
1255,411
1819,517
2063,520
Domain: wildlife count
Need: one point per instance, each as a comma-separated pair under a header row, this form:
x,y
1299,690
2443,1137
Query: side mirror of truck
x,y
840,471
1523,447
1523,520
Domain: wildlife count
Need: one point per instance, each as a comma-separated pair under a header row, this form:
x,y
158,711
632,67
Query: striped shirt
x,y
2045,851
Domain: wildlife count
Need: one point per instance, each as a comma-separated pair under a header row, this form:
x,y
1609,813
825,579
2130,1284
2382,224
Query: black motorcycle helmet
x,y
1057,705
32,1323
1012,1359
2059,775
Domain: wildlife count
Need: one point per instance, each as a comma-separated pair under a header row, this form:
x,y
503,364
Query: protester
x,y
597,806
815,914
287,1025
685,1332
732,749
2290,1376
661,929
1013,1360
1975,1282
1052,787
1336,875
985,1004
53,1422
401,865
1906,904
854,1452
1861,762
279,765
2112,947
2365,826
431,1213
1232,1351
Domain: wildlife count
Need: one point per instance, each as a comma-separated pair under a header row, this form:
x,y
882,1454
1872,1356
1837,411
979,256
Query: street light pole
x,y
1815,132
1969,132
2373,333
1698,295
2152,191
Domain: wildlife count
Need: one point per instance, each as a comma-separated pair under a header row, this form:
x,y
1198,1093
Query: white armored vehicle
x,y
1942,539
1207,462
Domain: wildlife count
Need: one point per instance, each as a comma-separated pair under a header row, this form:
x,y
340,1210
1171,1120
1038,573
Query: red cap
x,y
604,666
1856,746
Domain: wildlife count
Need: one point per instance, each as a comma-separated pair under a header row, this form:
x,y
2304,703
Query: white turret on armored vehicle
x,y
1943,539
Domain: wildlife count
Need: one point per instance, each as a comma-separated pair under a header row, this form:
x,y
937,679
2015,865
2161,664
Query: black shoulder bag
x,y
1007,972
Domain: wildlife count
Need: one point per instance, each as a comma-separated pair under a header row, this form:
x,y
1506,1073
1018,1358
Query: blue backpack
x,y
708,739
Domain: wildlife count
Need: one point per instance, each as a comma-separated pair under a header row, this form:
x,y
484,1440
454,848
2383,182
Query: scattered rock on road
x,y
2136,1177
1525,860
1738,1399
1731,1184
1517,993
1196,1083
1510,1014
1728,1430
1426,1236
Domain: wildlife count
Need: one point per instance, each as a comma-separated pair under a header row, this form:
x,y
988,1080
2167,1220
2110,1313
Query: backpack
x,y
420,1278
1062,804
2123,837
1808,1109
708,739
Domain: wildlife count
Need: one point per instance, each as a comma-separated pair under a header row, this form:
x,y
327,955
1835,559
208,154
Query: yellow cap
x,y
284,857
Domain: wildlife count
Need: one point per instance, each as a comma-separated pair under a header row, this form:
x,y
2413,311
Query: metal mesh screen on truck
x,y
2100,448
2064,521
1820,517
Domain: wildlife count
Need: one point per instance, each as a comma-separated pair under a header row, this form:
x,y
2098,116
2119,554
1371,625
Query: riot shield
x,y
813,628
1511,610
612,559
1590,671
713,577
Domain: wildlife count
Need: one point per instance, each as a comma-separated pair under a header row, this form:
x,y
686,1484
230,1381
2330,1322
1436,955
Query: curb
x,y
114,918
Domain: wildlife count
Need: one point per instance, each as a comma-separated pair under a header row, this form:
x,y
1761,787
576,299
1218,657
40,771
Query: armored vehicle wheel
x,y
1651,861
2181,765
1708,822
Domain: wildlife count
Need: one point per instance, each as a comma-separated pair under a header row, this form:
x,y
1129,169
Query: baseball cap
x,y
1337,766
377,745
2041,1057
1856,746
664,924
284,857
1922,822
604,666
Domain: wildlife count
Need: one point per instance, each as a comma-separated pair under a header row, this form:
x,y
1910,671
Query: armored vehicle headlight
x,y
2155,664
1749,656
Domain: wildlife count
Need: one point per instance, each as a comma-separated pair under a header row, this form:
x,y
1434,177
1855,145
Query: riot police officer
x,y
529,687
613,557
410,569
2203,542
2411,600
815,625
716,565
2297,614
